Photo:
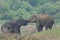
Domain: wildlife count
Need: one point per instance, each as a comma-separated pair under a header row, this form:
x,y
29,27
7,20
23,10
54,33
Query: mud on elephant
x,y
13,26
42,20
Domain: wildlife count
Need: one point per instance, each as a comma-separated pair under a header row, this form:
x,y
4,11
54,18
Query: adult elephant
x,y
42,20
13,26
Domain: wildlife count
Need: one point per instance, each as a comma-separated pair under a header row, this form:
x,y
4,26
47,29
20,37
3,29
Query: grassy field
x,y
44,35
29,32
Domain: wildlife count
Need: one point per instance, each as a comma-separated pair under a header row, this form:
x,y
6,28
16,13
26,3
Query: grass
x,y
52,32
44,35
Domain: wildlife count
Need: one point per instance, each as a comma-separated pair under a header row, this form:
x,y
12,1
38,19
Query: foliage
x,y
14,9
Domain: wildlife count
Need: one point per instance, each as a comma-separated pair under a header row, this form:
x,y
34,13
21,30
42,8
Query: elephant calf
x,y
13,26
42,20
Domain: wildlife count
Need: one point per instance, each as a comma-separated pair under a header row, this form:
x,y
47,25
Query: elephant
x,y
42,20
13,26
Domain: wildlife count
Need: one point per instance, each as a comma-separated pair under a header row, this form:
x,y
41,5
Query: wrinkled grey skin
x,y
42,20
13,26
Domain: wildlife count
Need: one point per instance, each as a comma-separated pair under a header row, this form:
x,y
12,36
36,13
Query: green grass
x,y
44,35
50,32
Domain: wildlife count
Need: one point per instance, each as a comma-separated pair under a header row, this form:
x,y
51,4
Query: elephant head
x,y
22,22
32,18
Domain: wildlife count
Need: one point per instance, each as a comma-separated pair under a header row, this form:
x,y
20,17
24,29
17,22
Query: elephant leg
x,y
46,26
49,25
39,27
17,30
12,30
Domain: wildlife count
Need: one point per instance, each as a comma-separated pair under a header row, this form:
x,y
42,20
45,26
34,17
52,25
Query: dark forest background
x,y
14,9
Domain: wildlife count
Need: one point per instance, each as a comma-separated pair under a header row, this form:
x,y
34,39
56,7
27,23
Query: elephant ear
x,y
33,18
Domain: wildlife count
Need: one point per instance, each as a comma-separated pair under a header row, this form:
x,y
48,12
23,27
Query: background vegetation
x,y
14,9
